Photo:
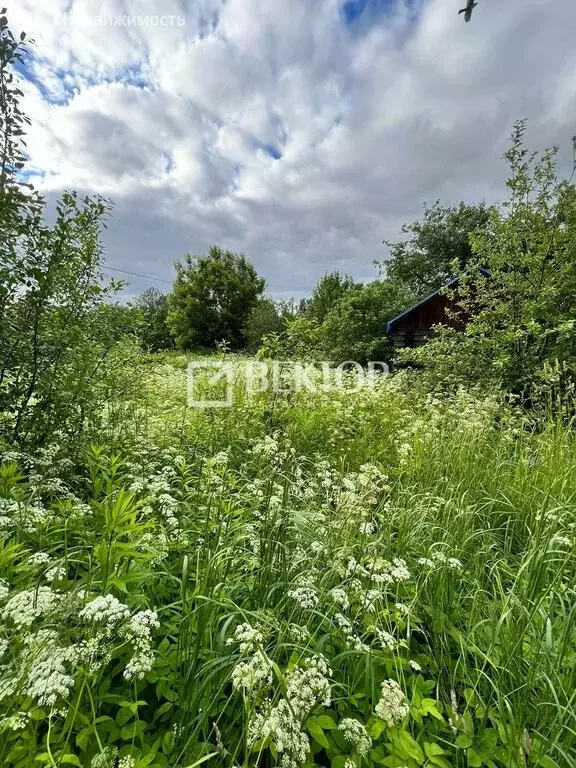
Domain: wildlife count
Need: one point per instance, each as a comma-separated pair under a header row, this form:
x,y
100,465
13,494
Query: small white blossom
x,y
354,732
392,707
39,558
340,597
306,597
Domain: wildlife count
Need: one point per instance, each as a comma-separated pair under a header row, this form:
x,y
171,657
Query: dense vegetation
x,y
378,572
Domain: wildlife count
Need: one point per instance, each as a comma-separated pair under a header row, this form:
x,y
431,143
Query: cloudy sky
x,y
301,132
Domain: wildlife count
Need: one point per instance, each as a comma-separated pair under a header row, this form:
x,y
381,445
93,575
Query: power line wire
x,y
137,274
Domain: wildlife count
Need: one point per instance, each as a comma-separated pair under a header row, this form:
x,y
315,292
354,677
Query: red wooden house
x,y
414,327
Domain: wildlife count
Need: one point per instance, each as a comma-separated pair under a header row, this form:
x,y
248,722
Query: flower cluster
x,y
392,707
354,732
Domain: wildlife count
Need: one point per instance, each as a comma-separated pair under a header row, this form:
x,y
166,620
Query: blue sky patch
x,y
353,9
273,151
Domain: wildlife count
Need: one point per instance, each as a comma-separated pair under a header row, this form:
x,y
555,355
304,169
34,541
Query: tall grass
x,y
298,552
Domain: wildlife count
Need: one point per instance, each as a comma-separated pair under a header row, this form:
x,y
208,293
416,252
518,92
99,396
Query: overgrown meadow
x,y
379,578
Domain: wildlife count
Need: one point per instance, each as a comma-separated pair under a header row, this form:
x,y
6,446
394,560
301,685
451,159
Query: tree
x,y
522,318
438,247
263,320
212,298
355,328
56,340
154,331
330,289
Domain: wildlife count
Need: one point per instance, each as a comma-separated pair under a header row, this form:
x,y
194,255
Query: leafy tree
x,y
212,298
56,367
355,328
264,319
522,319
438,247
330,289
154,331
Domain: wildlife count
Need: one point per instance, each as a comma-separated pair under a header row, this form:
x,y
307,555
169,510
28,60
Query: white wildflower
x,y
247,637
104,608
48,679
306,597
26,606
106,759
387,641
392,707
308,685
56,573
415,666
126,762
340,597
253,673
39,558
4,588
354,732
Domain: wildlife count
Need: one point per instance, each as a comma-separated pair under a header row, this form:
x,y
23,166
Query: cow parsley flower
x,y
39,558
280,723
106,759
48,679
340,597
4,588
247,636
138,631
354,732
26,606
104,608
252,673
392,707
56,573
415,666
308,685
306,597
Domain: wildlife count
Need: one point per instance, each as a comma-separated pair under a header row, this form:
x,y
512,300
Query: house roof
x,y
406,312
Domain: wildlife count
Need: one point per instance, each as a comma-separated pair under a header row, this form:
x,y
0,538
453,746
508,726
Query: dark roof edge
x,y
449,284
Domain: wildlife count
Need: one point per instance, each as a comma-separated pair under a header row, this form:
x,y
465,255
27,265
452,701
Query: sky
x,y
301,133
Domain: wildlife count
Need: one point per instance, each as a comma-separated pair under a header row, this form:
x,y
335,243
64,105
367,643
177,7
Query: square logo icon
x,y
210,384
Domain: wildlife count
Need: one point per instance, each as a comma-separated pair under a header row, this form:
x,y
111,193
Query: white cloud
x,y
277,129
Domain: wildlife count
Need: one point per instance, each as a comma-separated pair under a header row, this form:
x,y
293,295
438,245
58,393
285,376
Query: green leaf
x,y
433,749
547,762
317,733
410,746
376,728
70,760
474,758
326,722
463,741
429,706
133,730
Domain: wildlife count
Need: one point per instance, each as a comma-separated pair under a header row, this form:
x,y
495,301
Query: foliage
x,y
327,294
264,319
379,578
212,298
300,340
55,334
438,248
521,317
355,329
154,332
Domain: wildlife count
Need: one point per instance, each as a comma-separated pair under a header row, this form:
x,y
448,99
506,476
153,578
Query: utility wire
x,y
137,274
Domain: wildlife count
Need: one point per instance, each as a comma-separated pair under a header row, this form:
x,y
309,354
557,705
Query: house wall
x,y
416,328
